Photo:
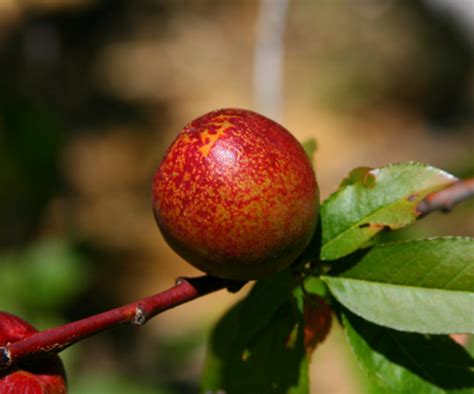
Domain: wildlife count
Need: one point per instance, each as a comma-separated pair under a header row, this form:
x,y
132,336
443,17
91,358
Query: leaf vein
x,y
458,274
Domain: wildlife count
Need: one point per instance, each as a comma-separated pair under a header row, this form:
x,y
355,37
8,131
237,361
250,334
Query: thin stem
x,y
59,338
444,200
138,313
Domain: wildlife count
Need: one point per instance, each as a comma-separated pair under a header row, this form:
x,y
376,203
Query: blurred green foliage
x,y
110,383
41,280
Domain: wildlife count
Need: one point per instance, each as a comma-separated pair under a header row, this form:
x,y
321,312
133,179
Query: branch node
x,y
5,358
140,317
138,313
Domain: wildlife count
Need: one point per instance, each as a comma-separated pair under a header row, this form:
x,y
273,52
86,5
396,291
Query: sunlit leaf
x,y
372,200
423,286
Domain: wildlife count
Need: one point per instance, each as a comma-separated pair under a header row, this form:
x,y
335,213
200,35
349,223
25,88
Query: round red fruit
x,y
43,375
235,195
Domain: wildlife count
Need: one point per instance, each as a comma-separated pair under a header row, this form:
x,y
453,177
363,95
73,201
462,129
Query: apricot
x,y
42,375
235,195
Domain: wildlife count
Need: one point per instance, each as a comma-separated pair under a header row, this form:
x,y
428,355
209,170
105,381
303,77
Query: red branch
x,y
59,338
444,200
56,339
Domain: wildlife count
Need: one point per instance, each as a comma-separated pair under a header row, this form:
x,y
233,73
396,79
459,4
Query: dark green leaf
x,y
372,200
258,347
403,362
424,286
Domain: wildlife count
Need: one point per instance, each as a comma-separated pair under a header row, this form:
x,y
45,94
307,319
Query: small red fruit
x,y
235,195
317,321
39,376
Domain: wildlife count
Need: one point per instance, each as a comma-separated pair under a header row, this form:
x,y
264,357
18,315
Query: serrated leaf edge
x,y
399,164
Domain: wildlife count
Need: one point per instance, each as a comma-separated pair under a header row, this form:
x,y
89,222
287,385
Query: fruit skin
x,y
235,195
39,376
317,321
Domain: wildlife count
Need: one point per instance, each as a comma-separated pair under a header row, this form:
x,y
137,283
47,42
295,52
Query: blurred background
x,y
93,91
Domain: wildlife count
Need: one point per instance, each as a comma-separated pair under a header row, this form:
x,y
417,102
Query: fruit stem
x,y
56,339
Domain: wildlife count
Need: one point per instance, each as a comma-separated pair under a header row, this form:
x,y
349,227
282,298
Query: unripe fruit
x,y
235,195
38,376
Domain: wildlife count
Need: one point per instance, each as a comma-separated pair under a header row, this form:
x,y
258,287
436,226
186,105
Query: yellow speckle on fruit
x,y
236,196
209,139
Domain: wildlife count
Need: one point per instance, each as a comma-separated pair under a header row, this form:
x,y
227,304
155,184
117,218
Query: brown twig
x,y
59,338
444,200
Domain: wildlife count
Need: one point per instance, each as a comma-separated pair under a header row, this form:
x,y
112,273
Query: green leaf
x,y
423,286
310,146
403,362
258,346
315,286
371,200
